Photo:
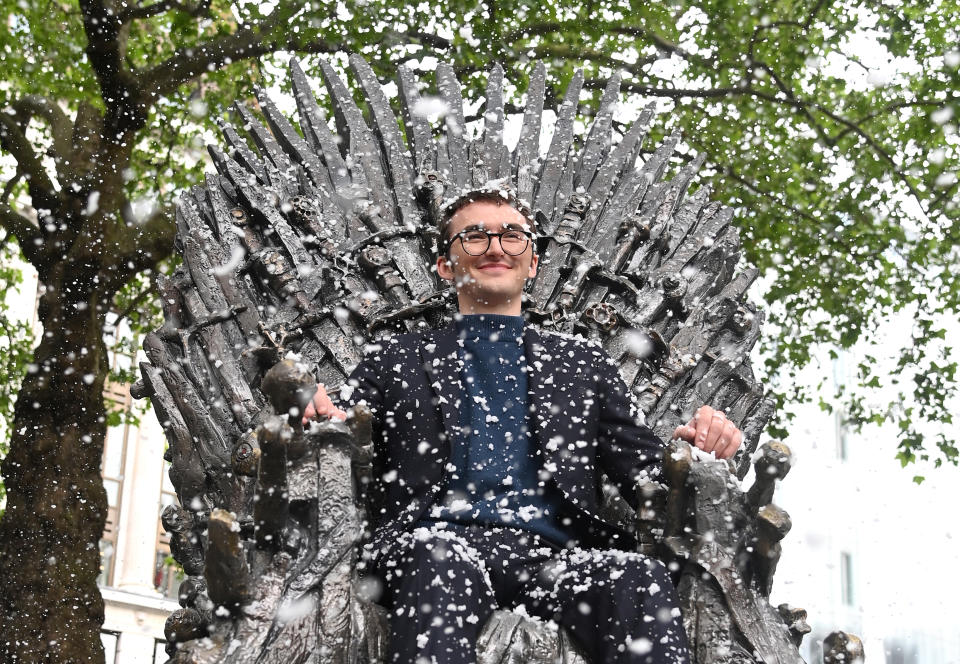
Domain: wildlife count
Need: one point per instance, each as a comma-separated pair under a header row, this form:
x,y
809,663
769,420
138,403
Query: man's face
x,y
492,282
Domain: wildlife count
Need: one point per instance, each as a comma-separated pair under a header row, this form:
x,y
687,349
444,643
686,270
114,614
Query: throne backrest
x,y
310,242
314,242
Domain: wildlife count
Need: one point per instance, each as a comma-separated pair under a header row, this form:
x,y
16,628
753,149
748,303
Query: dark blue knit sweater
x,y
496,462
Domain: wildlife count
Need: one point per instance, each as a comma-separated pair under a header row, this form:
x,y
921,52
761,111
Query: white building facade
x,y
871,552
138,580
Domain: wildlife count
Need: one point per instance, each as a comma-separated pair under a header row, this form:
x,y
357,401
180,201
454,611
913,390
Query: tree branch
x,y
771,196
672,93
102,28
802,106
14,141
492,11
153,244
8,188
894,106
418,36
813,14
662,44
563,51
798,105
146,11
550,27
28,236
249,42
947,193
790,99
106,45
431,40
779,201
60,126
136,301
803,26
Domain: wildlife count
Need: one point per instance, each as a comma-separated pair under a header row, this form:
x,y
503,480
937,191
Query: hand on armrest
x,y
321,406
711,431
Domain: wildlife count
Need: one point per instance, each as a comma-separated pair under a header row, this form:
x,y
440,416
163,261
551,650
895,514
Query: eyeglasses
x,y
476,241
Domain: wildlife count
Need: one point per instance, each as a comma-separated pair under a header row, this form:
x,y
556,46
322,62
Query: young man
x,y
490,439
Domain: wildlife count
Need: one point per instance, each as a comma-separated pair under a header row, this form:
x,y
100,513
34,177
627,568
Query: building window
x,y
168,574
111,642
846,578
122,345
115,448
839,370
843,438
159,652
114,452
111,469
107,549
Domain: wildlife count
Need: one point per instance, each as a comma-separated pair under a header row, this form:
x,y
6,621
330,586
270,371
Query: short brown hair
x,y
498,195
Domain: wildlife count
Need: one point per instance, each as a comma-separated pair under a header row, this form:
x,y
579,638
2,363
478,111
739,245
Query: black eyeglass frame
x,y
490,235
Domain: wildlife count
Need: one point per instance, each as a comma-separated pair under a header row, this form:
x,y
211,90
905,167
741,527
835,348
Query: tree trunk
x,y
56,503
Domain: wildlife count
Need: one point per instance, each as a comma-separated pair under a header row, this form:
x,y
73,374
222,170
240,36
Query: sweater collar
x,y
490,327
439,352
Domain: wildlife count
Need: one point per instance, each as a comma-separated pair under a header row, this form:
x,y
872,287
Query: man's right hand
x,y
320,407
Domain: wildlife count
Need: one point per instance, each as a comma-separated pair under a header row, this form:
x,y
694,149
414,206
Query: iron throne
x,y
307,244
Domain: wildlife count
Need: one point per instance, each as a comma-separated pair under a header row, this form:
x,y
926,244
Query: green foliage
x,y
170,561
842,165
16,343
136,310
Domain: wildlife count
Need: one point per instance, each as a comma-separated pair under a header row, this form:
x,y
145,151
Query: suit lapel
x,y
549,368
439,351
541,378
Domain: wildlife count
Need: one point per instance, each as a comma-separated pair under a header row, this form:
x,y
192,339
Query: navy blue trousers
x,y
442,583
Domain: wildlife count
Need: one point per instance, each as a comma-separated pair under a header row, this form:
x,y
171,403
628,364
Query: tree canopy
x,y
830,126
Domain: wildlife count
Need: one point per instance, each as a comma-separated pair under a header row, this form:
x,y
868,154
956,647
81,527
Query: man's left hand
x,y
711,431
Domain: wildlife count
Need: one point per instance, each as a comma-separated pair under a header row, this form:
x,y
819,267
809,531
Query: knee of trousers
x,y
647,576
434,563
631,576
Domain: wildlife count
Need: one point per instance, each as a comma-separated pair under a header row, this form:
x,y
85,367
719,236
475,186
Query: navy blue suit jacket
x,y
580,410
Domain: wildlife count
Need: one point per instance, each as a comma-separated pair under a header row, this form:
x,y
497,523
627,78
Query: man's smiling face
x,y
492,282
